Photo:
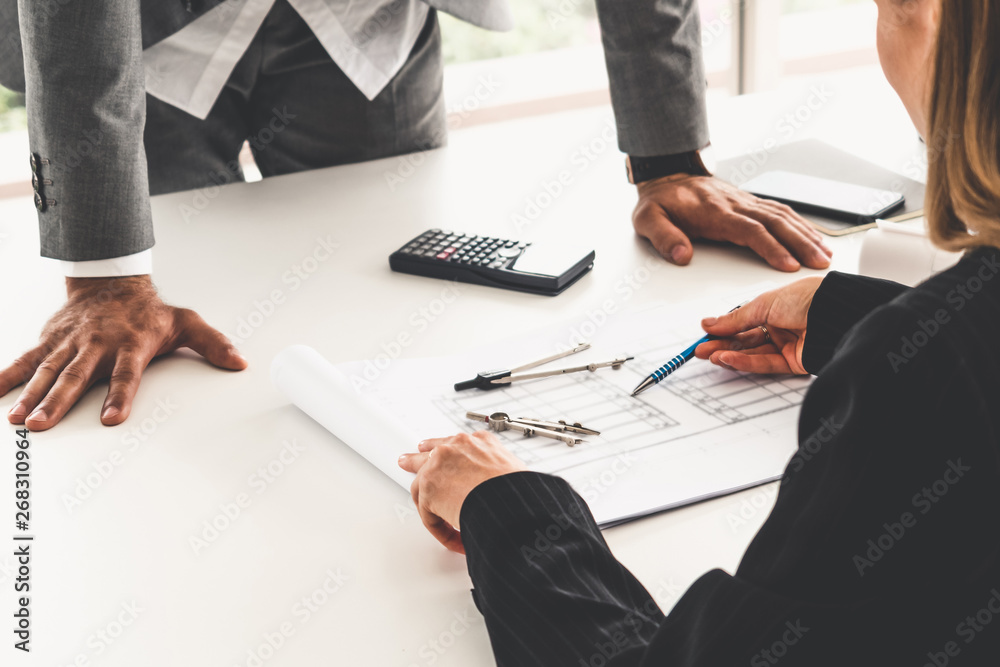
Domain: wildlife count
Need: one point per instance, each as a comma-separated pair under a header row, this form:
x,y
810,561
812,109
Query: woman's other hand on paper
x,y
743,344
447,470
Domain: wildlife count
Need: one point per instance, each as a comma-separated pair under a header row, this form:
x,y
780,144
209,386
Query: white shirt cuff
x,y
139,264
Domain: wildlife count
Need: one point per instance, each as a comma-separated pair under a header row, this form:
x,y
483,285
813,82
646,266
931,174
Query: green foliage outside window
x,y
12,116
540,25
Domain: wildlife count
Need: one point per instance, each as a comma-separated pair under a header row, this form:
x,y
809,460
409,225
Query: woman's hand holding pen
x,y
766,335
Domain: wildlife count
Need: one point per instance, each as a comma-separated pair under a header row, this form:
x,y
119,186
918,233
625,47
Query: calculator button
x,y
509,252
450,249
442,255
497,264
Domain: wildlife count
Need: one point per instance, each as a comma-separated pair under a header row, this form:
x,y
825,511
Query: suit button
x,y
34,164
39,202
34,182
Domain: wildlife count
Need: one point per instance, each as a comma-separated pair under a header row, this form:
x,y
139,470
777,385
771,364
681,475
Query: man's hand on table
x,y
674,210
109,327
447,470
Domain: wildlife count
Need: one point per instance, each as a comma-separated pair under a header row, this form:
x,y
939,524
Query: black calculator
x,y
492,261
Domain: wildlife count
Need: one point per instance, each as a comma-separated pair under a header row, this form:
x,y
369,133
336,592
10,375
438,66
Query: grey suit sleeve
x,y
85,87
654,58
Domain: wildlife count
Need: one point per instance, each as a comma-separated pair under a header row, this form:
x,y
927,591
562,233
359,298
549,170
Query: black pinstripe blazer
x,y
883,547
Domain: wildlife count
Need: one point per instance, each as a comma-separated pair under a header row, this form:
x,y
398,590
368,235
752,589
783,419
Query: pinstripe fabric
x,y
882,548
839,303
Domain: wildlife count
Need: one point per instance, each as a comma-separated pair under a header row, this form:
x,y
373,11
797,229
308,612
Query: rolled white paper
x,y
324,393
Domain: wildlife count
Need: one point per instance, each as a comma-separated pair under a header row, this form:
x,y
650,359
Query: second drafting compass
x,y
560,430
502,378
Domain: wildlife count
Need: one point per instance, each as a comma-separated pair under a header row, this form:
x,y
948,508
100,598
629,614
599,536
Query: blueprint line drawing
x,y
703,432
698,398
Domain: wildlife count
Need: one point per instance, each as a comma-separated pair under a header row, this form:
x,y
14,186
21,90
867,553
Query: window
x,y
780,40
13,145
553,58
11,110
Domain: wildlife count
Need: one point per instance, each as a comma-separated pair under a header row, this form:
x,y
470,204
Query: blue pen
x,y
666,369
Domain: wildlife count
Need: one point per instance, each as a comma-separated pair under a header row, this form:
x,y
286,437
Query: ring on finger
x,y
767,334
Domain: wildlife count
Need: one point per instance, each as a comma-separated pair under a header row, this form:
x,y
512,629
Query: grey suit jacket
x,y
81,66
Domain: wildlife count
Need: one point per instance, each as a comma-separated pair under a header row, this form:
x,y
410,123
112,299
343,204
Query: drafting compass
x,y
560,430
502,378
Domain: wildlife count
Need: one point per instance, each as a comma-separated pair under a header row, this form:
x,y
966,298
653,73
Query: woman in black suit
x,y
883,547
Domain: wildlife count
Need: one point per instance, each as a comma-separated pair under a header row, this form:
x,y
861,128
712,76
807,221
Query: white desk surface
x,y
198,435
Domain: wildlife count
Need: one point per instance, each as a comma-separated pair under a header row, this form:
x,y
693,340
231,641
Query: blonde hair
x,y
963,137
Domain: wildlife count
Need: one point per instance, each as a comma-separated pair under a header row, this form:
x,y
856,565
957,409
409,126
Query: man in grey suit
x,y
128,98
